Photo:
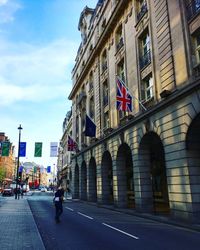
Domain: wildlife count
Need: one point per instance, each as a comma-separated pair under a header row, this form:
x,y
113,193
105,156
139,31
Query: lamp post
x,y
19,128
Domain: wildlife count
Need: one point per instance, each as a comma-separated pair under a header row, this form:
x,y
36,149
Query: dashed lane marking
x,y
86,216
130,235
69,208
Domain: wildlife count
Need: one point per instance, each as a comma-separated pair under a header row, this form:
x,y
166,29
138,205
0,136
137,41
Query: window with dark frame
x,y
104,61
92,107
121,70
147,88
119,38
105,93
144,49
141,9
106,120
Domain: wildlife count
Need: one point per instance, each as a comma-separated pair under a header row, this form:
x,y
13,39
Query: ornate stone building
x,y
148,159
64,156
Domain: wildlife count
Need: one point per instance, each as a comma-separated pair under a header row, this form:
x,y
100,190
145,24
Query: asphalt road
x,y
88,227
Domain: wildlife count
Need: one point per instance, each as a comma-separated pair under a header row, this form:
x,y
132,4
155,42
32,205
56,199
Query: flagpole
x,y
140,103
132,94
17,177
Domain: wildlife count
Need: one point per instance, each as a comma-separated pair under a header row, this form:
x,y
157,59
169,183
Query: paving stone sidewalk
x,y
18,230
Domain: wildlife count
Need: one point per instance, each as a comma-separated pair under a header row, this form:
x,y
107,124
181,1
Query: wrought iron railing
x,y
105,101
120,44
91,86
193,8
142,11
145,59
92,114
197,70
104,66
81,97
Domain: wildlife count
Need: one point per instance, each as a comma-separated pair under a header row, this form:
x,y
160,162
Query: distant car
x,y
7,192
43,189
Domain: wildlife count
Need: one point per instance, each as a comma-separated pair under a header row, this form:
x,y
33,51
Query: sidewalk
x,y
18,230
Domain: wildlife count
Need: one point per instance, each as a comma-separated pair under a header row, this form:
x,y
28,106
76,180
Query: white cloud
x,y
3,2
31,73
8,8
34,93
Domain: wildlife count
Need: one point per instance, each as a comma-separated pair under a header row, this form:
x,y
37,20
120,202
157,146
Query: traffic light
x,y
20,177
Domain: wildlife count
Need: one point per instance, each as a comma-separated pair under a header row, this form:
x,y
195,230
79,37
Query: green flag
x,y
5,148
38,149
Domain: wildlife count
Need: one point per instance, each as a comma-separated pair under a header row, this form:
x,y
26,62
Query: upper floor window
x,y
106,120
91,80
196,49
105,93
147,88
103,24
119,38
81,101
92,105
77,99
83,115
121,70
197,46
77,126
192,8
104,61
144,47
141,9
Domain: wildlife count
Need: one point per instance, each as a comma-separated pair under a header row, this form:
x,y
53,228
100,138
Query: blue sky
x,y
39,40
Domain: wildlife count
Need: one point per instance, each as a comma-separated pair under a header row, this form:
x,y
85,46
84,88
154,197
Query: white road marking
x,y
86,216
133,236
69,208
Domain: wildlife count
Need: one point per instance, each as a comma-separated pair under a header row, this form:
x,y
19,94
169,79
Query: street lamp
x,y
19,128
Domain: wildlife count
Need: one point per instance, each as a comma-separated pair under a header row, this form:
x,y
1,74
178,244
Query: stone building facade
x,y
64,174
147,159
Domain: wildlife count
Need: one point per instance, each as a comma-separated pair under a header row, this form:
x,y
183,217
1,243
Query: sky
x,y
39,40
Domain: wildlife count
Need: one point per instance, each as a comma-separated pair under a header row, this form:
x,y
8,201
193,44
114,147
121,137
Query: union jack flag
x,y
71,144
124,98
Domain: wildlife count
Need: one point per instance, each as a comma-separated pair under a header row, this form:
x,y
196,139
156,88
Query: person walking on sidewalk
x,y
58,200
22,192
18,193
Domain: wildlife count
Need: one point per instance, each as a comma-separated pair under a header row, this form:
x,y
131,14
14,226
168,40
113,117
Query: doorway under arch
x,y
193,155
83,181
153,181
107,178
92,180
125,185
76,182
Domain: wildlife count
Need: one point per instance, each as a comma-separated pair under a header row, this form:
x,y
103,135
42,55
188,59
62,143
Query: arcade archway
x,y
153,179
92,180
107,178
125,183
83,181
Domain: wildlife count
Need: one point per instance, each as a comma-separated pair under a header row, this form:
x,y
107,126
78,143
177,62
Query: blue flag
x,y
49,169
90,127
22,149
21,169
